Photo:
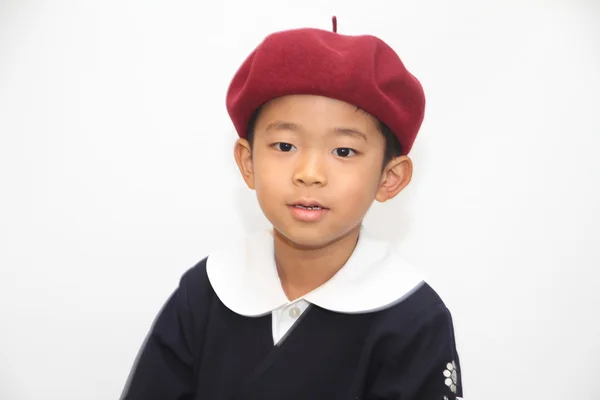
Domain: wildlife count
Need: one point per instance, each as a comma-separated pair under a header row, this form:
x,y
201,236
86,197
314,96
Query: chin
x,y
314,237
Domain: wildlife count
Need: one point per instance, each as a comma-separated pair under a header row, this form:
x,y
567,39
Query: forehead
x,y
316,114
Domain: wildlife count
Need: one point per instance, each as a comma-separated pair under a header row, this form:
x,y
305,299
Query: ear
x,y
395,176
243,157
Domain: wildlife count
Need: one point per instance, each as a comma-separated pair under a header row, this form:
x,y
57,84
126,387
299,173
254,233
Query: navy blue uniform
x,y
199,349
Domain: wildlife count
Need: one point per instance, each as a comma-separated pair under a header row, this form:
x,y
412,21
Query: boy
x,y
314,309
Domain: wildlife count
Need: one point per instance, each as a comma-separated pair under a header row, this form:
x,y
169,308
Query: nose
x,y
310,170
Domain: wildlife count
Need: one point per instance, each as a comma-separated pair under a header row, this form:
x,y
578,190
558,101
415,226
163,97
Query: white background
x,y
117,175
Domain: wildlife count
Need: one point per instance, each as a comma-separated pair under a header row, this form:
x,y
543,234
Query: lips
x,y
309,205
303,207
308,211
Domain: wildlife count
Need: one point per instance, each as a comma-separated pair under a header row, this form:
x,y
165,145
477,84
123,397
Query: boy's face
x,y
316,166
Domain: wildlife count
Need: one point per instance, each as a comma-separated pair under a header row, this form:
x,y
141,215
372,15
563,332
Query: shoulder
x,y
195,275
194,287
423,310
414,348
422,304
165,365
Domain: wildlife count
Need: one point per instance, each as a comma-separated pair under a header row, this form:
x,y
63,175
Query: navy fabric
x,y
198,349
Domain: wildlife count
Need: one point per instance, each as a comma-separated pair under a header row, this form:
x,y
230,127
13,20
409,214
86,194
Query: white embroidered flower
x,y
451,375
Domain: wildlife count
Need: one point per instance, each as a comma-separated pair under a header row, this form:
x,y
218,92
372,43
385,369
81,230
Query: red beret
x,y
360,70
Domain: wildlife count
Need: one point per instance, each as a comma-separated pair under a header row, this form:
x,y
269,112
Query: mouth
x,y
308,206
308,211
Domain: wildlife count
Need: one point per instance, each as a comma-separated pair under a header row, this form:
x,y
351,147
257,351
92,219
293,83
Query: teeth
x,y
308,208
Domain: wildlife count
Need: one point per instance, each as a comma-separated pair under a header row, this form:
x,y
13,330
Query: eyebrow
x,y
283,126
290,126
351,132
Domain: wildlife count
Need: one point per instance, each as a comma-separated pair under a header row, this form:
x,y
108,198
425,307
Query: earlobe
x,y
395,177
243,157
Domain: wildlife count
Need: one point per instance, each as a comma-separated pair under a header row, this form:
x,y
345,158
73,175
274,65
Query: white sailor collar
x,y
244,277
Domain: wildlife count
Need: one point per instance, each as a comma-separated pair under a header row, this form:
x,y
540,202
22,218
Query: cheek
x,y
268,176
359,189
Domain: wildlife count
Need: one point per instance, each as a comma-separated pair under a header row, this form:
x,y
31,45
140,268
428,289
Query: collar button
x,y
295,312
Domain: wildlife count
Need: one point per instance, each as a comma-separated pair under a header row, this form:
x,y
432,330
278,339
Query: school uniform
x,y
374,331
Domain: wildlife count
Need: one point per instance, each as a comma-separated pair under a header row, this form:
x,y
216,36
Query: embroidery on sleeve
x,y
451,377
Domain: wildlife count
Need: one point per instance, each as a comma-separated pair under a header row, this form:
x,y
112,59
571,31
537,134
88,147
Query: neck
x,y
301,269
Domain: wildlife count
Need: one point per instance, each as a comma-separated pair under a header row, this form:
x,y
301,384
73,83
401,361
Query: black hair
x,y
393,148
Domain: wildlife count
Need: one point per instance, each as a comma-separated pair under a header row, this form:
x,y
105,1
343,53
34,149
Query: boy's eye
x,y
284,147
344,152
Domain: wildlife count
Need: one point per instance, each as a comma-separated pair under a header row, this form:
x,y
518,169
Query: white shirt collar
x,y
244,277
